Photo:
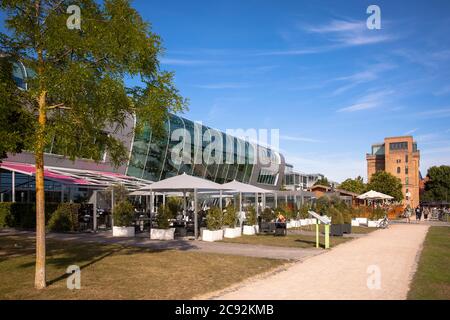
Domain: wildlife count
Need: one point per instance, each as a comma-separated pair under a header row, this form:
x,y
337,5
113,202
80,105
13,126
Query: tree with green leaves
x,y
437,186
78,96
323,182
356,185
386,183
16,124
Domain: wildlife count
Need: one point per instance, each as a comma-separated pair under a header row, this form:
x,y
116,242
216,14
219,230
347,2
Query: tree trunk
x,y
39,280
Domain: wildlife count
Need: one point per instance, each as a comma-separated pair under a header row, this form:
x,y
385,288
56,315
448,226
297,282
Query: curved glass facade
x,y
156,157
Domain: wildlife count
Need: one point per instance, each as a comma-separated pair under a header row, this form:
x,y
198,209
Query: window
x,y
406,170
398,170
393,146
399,160
407,181
406,158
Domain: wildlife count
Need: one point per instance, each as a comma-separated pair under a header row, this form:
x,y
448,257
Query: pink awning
x,y
30,170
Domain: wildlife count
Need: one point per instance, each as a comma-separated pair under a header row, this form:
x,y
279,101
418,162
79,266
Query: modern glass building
x,y
153,157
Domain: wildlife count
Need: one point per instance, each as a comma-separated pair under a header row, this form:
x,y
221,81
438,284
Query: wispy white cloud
x,y
225,85
407,133
434,113
442,91
371,73
349,33
297,138
183,62
369,101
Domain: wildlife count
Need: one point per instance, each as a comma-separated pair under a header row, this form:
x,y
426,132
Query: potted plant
x,y
267,216
375,217
123,219
214,223
163,232
336,222
250,220
347,219
230,221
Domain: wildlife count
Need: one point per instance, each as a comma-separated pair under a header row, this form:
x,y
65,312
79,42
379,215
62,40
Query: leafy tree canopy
x,y
323,182
80,74
16,124
437,188
386,183
356,185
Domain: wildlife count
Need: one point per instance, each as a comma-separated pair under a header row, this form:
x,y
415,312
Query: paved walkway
x,y
261,251
342,273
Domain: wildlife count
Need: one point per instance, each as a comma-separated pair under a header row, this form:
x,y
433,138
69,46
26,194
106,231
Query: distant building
x,y
398,156
294,180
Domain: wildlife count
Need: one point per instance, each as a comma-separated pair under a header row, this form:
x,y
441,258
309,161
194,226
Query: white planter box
x,y
372,224
362,220
210,236
232,232
162,234
249,230
123,231
257,228
303,222
289,225
355,223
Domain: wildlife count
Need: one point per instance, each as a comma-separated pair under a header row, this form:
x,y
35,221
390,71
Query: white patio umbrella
x,y
374,195
240,187
184,183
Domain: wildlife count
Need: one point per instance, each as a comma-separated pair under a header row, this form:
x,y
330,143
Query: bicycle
x,y
383,224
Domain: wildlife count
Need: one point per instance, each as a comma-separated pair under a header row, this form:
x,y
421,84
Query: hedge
x,y
22,215
65,218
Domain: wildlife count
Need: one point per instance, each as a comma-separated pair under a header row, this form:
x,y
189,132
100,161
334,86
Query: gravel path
x,y
343,272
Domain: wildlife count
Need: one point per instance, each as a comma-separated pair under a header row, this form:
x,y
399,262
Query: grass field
x,y
432,279
291,240
118,272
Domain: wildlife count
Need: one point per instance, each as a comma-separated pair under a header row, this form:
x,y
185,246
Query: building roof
x,y
86,178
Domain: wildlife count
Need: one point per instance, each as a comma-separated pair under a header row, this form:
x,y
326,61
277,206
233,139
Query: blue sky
x,y
314,71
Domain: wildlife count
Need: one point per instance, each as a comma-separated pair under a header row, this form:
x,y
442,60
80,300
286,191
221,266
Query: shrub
x,y
173,205
377,213
123,214
347,216
336,216
229,217
322,205
6,216
251,216
23,214
214,219
65,218
163,217
268,215
304,214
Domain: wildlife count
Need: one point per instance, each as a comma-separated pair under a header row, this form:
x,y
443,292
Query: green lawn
x,y
432,279
118,272
291,240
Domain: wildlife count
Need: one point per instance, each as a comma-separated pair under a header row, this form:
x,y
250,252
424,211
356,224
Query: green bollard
x,y
327,236
317,234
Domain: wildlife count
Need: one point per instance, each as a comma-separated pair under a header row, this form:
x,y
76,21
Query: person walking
x,y
418,213
426,211
408,214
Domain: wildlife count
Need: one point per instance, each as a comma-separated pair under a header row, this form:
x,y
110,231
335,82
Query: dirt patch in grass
x,y
118,272
291,240
432,278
